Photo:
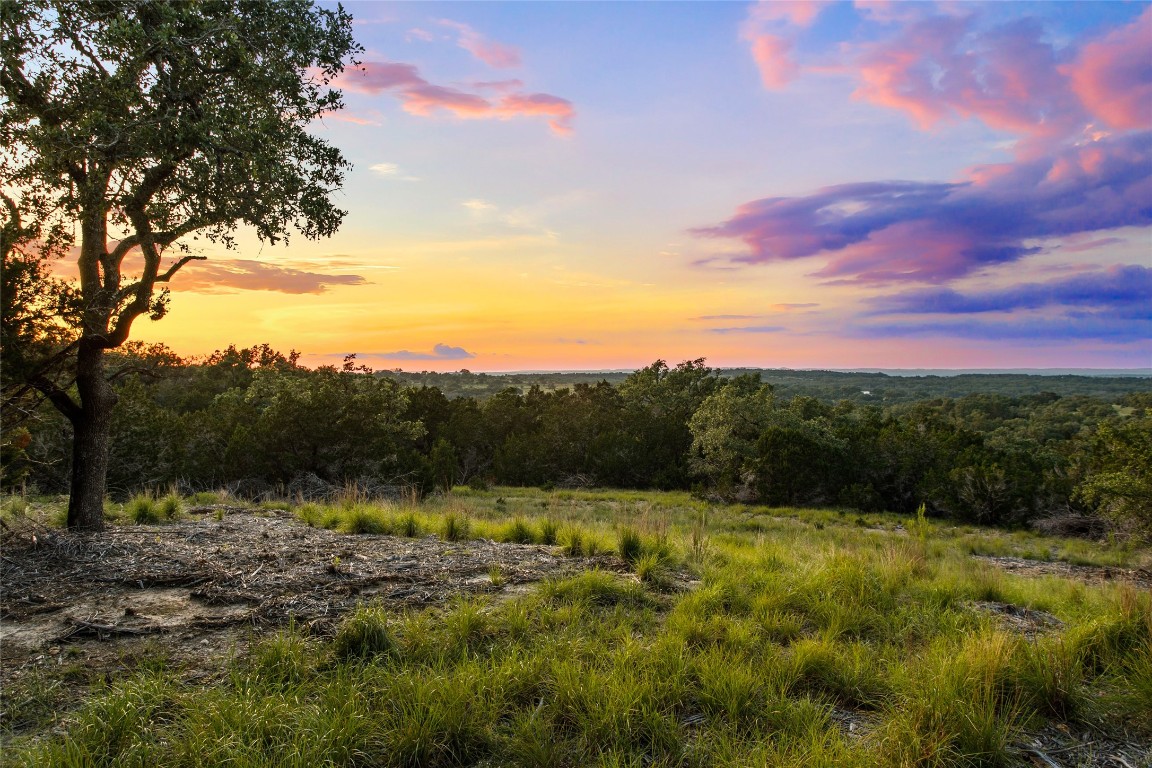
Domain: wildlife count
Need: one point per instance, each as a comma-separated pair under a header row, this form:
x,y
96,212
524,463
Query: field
x,y
566,628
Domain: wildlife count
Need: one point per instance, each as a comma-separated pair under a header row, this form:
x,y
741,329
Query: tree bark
x,y
91,425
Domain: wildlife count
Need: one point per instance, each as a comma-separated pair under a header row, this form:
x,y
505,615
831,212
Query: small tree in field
x,y
127,127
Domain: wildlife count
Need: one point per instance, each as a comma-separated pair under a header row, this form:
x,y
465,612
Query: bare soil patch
x,y
201,588
1091,574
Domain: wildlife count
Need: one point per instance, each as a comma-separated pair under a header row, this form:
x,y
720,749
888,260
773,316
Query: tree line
x,y
256,421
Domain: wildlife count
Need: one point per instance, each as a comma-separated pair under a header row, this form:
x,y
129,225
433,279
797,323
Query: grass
x,y
148,509
798,617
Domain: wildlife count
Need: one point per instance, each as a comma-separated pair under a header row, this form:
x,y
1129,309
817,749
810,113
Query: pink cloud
x,y
941,68
773,56
768,30
374,77
490,52
942,63
423,98
798,12
217,275
344,116
225,275
560,110
427,98
1113,76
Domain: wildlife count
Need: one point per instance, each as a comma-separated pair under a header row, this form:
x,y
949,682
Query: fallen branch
x,y
101,631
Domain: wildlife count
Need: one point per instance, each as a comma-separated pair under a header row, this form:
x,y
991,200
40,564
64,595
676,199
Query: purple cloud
x,y
439,352
1123,289
888,231
1112,328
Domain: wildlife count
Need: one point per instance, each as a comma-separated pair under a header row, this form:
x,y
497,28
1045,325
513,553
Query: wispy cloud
x,y
490,52
478,205
439,352
420,97
391,170
224,275
750,329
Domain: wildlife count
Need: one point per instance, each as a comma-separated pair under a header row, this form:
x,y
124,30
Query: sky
x,y
591,185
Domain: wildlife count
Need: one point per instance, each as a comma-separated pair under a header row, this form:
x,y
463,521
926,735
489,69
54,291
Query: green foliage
x,y
1119,479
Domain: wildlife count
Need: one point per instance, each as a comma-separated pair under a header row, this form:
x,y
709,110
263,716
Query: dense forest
x,y
1062,450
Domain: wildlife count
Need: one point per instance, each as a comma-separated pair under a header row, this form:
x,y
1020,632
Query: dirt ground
x,y
1141,578
201,589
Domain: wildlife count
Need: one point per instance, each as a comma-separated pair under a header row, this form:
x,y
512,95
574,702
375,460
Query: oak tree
x,y
129,128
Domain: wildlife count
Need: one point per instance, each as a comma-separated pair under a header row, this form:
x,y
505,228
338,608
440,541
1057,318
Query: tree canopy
x,y
129,128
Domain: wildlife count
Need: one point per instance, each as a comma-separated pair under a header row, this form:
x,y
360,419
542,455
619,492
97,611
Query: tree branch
x,y
77,43
58,397
131,288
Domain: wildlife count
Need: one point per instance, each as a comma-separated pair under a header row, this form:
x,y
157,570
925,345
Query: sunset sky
x,y
597,185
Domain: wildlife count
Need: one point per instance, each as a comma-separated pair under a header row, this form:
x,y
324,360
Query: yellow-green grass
x,y
798,622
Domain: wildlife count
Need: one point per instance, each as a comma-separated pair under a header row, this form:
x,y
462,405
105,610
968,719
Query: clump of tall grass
x,y
364,634
364,519
651,568
456,527
549,530
629,545
408,524
312,514
575,546
518,532
146,509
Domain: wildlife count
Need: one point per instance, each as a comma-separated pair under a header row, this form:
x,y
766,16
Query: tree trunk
x,y
91,426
